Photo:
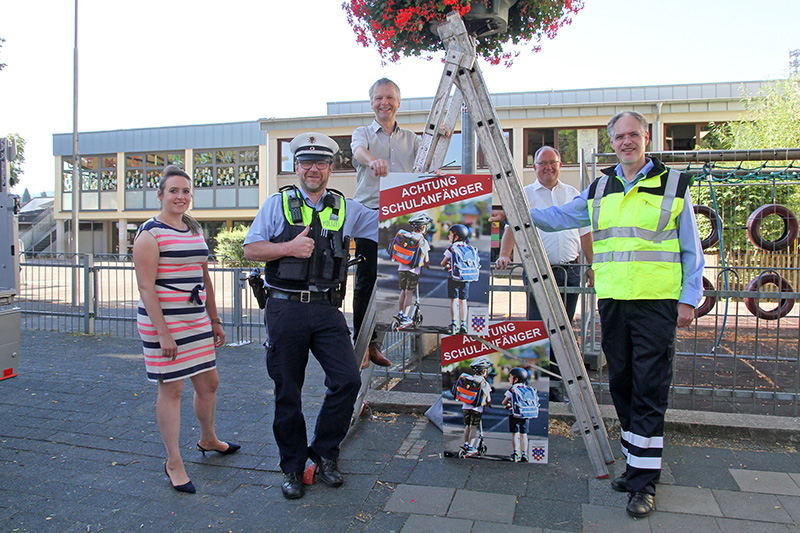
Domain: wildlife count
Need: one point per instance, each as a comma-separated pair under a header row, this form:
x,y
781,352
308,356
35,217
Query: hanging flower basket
x,y
402,28
484,20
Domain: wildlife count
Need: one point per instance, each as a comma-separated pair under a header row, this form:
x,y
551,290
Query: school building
x,y
235,166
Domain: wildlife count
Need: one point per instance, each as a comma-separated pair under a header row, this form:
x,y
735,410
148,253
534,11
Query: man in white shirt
x,y
562,247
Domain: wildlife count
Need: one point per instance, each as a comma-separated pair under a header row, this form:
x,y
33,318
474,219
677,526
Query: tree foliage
x,y
230,246
16,165
771,120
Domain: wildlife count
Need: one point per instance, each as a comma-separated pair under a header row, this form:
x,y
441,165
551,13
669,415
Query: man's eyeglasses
x,y
547,163
321,165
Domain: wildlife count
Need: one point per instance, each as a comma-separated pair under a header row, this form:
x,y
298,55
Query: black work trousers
x,y
639,344
366,276
295,328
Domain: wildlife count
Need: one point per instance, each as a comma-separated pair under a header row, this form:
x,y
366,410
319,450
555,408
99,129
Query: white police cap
x,y
313,146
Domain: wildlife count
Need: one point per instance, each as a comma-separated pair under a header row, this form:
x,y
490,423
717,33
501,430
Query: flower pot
x,y
483,20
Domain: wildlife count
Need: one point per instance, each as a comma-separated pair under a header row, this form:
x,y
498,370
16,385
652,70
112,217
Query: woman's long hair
x,y
175,170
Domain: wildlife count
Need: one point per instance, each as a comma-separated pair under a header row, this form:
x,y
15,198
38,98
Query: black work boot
x,y
620,484
293,487
640,504
327,469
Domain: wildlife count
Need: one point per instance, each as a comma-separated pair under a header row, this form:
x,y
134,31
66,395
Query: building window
x,y
482,162
535,139
98,173
682,137
454,155
342,161
565,141
603,142
143,171
98,182
230,167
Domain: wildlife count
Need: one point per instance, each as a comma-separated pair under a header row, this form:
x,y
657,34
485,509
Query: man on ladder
x,y
378,149
648,266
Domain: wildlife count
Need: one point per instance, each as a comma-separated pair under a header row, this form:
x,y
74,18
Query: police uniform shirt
x,y
359,221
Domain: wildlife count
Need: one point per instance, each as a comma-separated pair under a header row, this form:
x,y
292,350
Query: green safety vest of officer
x,y
326,269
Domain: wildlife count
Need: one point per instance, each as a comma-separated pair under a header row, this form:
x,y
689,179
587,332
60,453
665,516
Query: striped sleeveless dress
x,y
182,295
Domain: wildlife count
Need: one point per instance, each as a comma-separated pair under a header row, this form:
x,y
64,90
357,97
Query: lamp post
x,y
76,173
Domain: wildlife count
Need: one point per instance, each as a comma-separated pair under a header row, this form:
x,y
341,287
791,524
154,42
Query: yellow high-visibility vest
x,y
635,236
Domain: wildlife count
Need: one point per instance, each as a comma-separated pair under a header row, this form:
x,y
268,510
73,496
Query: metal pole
x,y
703,156
76,174
89,294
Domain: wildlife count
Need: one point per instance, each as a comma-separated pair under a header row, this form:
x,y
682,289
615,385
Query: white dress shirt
x,y
561,246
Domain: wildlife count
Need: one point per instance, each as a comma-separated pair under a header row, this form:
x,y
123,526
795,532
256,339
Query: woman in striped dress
x,y
178,320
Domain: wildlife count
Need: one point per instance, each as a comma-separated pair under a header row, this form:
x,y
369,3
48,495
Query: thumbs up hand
x,y
302,246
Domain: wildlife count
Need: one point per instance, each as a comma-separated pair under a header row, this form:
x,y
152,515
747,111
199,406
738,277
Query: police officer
x,y
302,233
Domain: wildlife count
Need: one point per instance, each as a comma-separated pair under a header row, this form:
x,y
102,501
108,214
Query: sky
x,y
151,63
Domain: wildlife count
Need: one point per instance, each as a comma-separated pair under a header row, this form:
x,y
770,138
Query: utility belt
x,y
334,296
305,297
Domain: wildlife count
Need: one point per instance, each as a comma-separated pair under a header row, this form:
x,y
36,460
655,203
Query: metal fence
x,y
728,361
732,360
97,294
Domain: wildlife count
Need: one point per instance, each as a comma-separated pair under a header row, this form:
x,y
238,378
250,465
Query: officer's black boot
x,y
293,487
327,469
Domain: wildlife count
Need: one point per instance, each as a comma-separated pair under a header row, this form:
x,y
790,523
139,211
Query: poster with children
x,y
433,251
496,405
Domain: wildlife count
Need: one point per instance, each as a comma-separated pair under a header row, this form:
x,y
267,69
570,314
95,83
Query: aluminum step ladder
x,y
462,73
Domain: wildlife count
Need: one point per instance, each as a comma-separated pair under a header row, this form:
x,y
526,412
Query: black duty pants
x,y
639,343
295,328
366,276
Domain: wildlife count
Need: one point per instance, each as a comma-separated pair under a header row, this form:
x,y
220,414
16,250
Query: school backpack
x,y
524,401
468,389
405,248
465,264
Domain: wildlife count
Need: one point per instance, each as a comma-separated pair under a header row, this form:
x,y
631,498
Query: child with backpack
x,y
464,265
474,392
523,404
411,251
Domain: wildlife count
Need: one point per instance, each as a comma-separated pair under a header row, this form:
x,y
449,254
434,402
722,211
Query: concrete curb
x,y
758,428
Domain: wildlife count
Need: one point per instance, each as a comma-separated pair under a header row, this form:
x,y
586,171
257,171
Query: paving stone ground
x,y
80,452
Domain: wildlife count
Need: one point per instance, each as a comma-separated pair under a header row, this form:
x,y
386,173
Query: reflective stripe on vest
x,y
635,238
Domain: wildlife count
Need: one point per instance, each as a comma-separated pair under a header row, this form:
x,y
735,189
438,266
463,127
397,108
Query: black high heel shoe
x,y
186,487
232,448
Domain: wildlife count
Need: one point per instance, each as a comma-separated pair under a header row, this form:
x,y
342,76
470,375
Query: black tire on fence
x,y
785,305
788,235
713,218
708,302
